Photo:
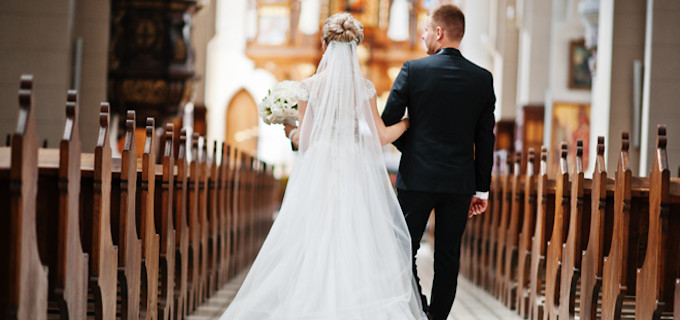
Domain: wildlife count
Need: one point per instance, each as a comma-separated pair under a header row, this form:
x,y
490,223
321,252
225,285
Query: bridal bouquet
x,y
280,105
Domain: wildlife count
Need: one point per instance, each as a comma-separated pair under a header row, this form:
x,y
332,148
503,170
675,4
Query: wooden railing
x,y
565,247
87,236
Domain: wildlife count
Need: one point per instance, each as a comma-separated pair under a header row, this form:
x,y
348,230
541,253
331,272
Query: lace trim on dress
x,y
303,92
370,89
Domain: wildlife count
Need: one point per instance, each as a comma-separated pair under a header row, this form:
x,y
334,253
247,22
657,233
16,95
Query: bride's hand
x,y
288,128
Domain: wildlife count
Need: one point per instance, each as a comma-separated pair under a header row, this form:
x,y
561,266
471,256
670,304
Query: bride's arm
x,y
295,137
387,134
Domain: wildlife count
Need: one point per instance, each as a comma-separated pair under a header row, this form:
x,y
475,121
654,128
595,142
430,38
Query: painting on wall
x,y
274,25
570,123
580,76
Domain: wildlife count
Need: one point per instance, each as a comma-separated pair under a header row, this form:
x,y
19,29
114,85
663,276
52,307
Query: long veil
x,y
339,248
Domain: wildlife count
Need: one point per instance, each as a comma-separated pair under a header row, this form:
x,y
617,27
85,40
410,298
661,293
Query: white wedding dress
x,y
339,248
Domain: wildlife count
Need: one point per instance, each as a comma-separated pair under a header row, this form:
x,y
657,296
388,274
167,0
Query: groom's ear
x,y
440,33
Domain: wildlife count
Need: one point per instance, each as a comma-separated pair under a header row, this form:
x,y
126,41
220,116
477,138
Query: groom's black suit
x,y
447,154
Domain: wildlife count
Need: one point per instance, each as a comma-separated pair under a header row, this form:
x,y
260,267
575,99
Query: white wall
x,y
566,26
228,71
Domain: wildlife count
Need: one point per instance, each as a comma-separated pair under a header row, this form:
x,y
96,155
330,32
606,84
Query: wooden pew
x,y
579,223
265,201
524,253
599,240
224,201
95,214
123,218
494,213
194,257
24,284
246,208
654,284
545,215
475,239
182,235
166,224
238,212
151,232
487,246
559,233
233,216
212,227
631,205
506,202
512,234
203,220
251,212
146,185
59,225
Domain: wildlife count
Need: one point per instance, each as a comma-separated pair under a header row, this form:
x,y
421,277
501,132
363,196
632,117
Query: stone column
x,y
534,52
620,42
505,40
661,91
476,38
92,27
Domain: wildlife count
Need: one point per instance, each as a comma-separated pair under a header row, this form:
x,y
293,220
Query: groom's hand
x,y
477,206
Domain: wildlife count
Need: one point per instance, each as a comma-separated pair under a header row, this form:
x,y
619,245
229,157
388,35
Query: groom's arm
x,y
484,142
397,102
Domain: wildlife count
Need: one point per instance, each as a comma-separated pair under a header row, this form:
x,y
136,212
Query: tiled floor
x,y
471,302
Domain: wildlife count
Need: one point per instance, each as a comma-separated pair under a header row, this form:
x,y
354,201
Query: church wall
x,y
36,39
228,71
566,27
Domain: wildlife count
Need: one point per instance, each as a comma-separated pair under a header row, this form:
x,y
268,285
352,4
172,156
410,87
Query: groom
x,y
447,152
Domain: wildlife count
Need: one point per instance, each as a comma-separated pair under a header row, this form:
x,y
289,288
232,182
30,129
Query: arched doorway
x,y
242,123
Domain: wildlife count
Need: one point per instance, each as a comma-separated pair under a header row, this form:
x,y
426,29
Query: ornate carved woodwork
x,y
150,57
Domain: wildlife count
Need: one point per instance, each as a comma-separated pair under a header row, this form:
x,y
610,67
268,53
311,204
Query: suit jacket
x,y
449,145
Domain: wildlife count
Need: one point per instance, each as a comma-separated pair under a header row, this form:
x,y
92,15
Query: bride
x,y
339,248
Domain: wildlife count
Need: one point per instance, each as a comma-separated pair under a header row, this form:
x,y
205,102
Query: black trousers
x,y
451,211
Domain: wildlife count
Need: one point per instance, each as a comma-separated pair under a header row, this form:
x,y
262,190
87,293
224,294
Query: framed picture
x,y
570,123
579,65
273,26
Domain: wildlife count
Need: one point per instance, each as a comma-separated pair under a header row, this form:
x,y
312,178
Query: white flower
x,y
280,104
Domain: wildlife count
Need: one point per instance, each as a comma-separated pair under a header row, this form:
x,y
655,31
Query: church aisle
x,y
215,306
471,303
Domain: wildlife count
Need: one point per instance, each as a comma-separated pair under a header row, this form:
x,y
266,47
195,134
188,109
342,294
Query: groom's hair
x,y
451,19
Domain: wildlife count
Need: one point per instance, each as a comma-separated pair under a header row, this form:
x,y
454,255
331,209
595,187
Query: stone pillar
x,y
534,52
620,42
476,38
202,32
661,91
92,27
505,38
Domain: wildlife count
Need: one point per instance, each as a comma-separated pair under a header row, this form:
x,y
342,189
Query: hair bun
x,y
342,27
